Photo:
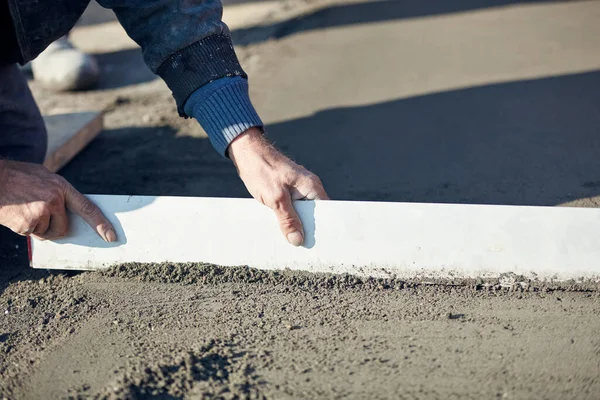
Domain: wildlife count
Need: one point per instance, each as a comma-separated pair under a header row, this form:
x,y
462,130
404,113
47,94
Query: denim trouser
x,y
22,130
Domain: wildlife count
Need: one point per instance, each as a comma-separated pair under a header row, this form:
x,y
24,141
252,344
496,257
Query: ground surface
x,y
389,100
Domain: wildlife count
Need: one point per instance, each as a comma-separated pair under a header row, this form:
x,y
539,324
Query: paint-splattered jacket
x,y
183,41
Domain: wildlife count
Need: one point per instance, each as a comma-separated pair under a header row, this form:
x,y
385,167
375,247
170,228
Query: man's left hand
x,y
275,180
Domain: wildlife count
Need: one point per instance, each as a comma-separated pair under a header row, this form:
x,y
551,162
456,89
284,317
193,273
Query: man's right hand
x,y
33,201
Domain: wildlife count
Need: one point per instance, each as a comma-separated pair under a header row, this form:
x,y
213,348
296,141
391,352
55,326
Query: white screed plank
x,y
403,240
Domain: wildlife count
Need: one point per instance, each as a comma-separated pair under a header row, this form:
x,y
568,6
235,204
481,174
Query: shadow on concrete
x,y
153,161
96,14
533,142
332,16
362,13
123,68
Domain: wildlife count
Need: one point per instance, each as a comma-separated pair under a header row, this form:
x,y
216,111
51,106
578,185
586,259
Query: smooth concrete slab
x,y
454,102
403,240
376,51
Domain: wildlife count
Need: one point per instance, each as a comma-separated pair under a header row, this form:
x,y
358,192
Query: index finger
x,y
289,221
86,209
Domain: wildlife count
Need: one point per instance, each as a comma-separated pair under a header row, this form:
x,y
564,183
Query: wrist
x,y
247,144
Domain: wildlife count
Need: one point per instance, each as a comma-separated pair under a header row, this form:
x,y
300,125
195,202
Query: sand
x,y
199,331
453,113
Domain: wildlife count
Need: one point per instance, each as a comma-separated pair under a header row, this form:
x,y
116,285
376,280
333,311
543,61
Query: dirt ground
x,y
390,100
205,332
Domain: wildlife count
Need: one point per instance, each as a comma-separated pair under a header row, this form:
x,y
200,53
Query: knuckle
x,y
276,199
55,197
58,182
279,204
58,179
314,180
288,223
290,175
44,209
37,211
28,222
25,228
88,208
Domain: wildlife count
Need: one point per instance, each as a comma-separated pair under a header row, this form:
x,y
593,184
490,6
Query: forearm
x,y
184,42
188,45
164,27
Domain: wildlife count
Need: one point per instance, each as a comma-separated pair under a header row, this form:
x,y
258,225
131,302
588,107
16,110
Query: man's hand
x,y
275,180
33,201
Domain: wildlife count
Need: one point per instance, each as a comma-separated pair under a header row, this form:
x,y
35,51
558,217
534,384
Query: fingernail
x,y
295,238
111,236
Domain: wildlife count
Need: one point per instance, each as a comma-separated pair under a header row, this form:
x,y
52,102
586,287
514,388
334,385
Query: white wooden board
x,y
68,134
406,240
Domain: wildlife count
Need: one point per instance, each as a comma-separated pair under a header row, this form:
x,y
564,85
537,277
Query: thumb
x,y
309,189
289,221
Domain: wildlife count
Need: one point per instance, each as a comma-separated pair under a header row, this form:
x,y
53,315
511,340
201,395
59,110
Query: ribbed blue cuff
x,y
224,110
